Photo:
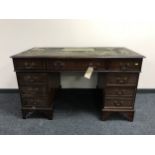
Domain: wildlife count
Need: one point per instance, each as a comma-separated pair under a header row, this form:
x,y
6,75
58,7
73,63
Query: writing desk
x,y
38,73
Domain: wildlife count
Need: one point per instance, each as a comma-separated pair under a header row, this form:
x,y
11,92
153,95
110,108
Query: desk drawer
x,y
125,65
115,102
35,102
32,78
120,91
124,79
31,91
29,64
75,65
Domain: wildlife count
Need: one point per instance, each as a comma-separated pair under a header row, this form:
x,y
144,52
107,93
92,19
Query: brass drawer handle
x,y
119,92
33,107
29,65
58,64
91,64
94,65
121,80
117,103
136,64
29,79
125,66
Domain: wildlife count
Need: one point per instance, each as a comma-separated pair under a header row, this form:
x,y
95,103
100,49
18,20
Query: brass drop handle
x,y
58,64
121,80
117,103
29,65
136,64
29,78
119,92
33,107
91,64
124,66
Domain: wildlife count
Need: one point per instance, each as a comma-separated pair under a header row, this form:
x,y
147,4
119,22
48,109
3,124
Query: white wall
x,y
19,35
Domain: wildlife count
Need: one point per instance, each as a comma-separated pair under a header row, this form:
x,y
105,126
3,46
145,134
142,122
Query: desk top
x,y
92,52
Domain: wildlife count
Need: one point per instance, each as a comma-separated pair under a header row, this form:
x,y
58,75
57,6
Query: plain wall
x,y
20,35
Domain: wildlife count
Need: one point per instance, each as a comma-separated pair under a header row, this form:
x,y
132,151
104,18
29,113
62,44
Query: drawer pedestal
x,y
37,91
118,93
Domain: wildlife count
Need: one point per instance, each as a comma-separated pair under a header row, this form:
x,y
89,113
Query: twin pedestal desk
x,y
38,74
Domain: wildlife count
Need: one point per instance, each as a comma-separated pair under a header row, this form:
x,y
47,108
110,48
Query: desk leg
x,y
24,114
128,114
105,115
27,112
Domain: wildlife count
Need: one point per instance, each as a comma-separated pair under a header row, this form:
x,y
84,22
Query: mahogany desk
x,y
38,73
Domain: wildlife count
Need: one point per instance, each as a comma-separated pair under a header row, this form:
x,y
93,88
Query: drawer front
x,y
125,65
35,102
123,79
119,91
118,102
75,65
33,91
29,64
32,78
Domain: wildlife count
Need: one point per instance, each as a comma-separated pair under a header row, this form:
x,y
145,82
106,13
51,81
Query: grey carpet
x,y
76,114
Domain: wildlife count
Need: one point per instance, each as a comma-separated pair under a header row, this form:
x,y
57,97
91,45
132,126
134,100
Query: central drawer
x,y
74,64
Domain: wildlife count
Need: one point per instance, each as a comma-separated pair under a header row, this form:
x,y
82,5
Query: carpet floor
x,y
76,114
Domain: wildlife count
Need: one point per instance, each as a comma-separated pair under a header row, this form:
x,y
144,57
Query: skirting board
x,y
77,90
